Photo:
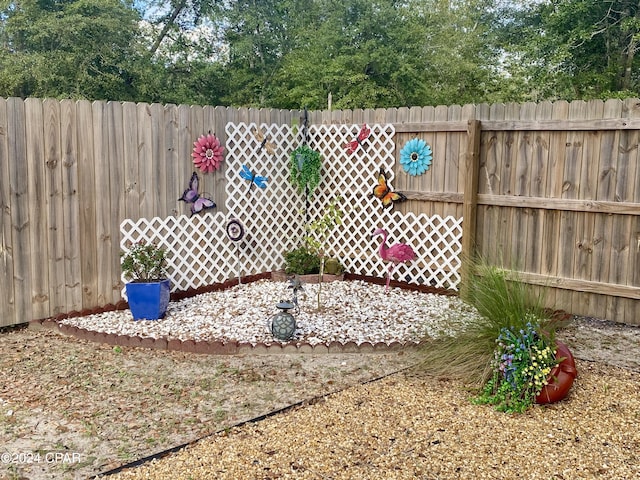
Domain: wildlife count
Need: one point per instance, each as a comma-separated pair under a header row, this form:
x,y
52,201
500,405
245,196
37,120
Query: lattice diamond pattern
x,y
356,173
199,252
202,254
271,215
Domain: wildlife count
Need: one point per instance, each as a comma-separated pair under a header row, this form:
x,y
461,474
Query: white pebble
x,y
351,311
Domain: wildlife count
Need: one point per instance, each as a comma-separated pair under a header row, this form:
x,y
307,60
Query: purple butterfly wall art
x,y
197,201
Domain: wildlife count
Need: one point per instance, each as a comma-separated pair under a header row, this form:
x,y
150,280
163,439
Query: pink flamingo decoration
x,y
395,254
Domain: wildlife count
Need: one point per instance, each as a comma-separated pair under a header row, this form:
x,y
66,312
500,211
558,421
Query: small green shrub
x,y
145,262
301,262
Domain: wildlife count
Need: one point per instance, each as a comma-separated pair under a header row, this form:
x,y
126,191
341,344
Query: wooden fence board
x,y
167,160
454,158
405,181
439,165
571,224
620,243
537,188
522,217
37,209
131,161
102,191
491,152
471,168
627,185
191,126
7,297
609,241
146,169
633,311
19,199
157,179
54,206
71,215
565,125
585,229
220,118
115,160
426,182
506,216
87,196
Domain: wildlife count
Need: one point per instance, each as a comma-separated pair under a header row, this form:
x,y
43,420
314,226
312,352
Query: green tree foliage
x,y
183,52
366,53
573,49
258,35
72,48
294,53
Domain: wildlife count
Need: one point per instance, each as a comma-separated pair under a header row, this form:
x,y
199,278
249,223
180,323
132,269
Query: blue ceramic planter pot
x,y
148,301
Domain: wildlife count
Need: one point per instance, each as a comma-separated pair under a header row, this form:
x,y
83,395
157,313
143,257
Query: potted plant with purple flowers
x,y
522,364
148,288
506,348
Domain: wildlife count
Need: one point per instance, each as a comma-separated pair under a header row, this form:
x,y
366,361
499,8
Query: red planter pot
x,y
561,377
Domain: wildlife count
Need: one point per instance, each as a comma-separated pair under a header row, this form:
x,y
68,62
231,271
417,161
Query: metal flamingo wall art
x,y
393,255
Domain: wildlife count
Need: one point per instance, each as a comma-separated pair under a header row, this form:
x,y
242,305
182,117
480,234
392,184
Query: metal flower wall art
x,y
415,157
207,153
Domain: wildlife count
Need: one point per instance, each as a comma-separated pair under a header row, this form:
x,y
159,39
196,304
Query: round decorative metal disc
x,y
235,230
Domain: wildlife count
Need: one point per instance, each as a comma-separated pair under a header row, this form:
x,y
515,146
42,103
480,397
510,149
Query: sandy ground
x,y
71,409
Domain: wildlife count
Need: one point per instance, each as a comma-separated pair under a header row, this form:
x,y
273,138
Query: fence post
x,y
470,200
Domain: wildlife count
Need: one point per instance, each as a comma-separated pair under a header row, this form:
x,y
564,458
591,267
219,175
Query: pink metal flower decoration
x,y
207,153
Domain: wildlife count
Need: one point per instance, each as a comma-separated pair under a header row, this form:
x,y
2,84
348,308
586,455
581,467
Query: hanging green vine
x,y
304,169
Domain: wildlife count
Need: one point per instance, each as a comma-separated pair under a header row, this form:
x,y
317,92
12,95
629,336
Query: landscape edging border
x,y
217,347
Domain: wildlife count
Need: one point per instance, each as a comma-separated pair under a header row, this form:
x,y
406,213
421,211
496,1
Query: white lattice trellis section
x,y
437,241
198,249
271,216
202,254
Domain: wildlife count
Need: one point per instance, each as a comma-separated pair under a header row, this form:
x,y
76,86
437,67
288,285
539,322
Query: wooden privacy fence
x,y
548,189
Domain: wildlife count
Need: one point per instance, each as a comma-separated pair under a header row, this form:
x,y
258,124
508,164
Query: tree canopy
x,y
294,53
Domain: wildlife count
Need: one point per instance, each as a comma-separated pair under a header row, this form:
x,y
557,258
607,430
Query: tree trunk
x,y
165,29
632,45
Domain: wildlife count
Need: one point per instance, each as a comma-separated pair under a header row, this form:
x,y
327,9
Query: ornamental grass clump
x,y
502,303
521,365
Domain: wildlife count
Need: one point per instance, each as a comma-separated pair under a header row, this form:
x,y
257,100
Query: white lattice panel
x,y
202,254
271,216
353,176
355,173
199,251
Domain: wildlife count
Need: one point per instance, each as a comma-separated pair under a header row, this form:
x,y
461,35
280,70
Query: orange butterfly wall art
x,y
384,192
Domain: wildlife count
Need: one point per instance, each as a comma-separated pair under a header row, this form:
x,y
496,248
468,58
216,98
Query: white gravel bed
x,y
352,311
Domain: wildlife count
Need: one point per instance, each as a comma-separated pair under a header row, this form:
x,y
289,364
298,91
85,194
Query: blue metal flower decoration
x,y
415,157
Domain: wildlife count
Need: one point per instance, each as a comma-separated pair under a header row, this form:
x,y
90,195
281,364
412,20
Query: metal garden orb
x,y
283,324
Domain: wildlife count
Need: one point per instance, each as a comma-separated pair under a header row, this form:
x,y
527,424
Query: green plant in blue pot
x,y
148,288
